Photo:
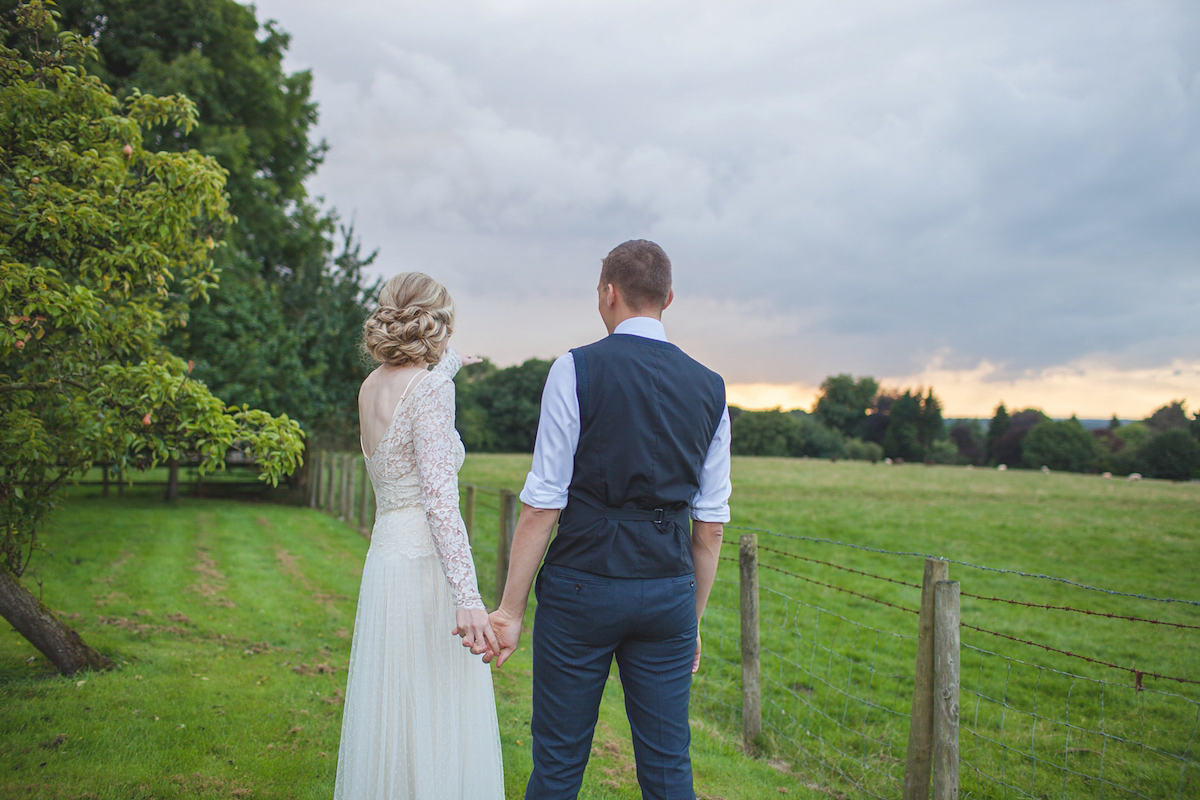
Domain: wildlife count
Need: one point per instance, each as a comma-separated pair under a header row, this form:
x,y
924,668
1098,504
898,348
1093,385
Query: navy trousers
x,y
582,622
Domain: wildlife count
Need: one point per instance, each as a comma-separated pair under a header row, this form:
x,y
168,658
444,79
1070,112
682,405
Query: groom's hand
x,y
507,629
696,660
473,627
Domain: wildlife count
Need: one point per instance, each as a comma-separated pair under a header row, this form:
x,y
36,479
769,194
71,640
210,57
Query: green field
x,y
230,622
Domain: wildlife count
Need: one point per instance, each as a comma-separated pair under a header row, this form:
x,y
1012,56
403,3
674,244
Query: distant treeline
x,y
858,419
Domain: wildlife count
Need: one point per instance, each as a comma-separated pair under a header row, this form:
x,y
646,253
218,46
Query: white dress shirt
x,y
558,437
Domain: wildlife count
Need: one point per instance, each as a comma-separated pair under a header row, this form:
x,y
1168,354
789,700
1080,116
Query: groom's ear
x,y
610,294
670,297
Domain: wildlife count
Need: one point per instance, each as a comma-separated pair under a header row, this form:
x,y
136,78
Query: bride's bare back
x,y
378,398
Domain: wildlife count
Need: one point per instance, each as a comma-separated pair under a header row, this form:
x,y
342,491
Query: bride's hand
x,y
469,359
475,630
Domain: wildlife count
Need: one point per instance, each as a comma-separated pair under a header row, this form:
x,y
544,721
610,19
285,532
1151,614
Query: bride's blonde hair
x,y
414,319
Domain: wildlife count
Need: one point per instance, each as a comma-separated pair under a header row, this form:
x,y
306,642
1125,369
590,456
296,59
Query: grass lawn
x,y
837,667
230,623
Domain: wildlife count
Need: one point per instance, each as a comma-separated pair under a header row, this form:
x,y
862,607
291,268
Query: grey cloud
x,y
849,186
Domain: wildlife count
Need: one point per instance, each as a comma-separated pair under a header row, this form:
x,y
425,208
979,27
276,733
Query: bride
x,y
420,716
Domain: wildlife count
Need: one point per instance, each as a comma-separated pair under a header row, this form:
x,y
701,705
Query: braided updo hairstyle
x,y
414,319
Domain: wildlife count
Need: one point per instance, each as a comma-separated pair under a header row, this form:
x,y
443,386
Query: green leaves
x,y
103,245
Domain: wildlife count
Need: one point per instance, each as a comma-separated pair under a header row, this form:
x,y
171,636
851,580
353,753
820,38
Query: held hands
x,y
695,661
473,627
507,630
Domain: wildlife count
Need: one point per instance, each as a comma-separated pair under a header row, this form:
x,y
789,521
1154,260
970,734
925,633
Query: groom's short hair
x,y
641,271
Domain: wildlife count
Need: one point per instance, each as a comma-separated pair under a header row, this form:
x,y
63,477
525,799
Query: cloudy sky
x,y
998,199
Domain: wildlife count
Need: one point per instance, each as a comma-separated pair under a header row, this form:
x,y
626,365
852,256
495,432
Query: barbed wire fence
x,y
1039,716
1043,710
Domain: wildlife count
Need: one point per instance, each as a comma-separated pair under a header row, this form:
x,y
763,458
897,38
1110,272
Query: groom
x,y
632,446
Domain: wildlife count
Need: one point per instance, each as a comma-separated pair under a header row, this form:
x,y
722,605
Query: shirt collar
x,y
646,327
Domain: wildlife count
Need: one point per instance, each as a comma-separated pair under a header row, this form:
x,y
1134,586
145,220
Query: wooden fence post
x,y
366,509
751,669
347,499
339,489
508,523
920,726
327,485
314,478
945,690
335,482
469,511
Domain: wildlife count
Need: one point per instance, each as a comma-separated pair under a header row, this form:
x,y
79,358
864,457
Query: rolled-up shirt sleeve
x,y
557,438
711,502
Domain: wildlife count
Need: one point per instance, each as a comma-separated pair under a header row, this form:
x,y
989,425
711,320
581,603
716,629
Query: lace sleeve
x,y
437,468
450,364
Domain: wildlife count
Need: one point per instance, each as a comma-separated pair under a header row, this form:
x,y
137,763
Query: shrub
x,y
1060,445
858,450
942,451
816,440
778,433
1173,454
764,433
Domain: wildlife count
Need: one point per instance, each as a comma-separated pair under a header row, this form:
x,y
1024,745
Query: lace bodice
x,y
415,465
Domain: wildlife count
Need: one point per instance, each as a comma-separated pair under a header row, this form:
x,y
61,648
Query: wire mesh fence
x,y
1057,717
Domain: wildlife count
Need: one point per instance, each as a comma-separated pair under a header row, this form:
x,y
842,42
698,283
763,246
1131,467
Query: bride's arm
x,y
450,363
433,439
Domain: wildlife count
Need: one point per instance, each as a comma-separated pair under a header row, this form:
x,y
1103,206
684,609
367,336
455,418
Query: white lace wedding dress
x,y
420,716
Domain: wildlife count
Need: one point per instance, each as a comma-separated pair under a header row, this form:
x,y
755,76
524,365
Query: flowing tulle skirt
x,y
420,715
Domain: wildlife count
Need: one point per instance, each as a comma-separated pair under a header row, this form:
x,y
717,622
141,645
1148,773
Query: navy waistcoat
x,y
647,415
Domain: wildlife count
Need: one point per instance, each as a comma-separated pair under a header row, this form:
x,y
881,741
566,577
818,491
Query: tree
x,y
875,426
1169,417
1007,448
469,417
1125,455
764,433
1062,445
281,331
903,437
930,426
103,246
968,437
814,439
843,403
785,433
1173,454
511,401
996,429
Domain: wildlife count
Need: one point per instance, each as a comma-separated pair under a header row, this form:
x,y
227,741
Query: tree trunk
x,y
59,643
172,479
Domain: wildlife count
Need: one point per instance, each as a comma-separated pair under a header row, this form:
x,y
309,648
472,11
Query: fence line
x,y
837,696
884,551
831,586
1027,729
1137,673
